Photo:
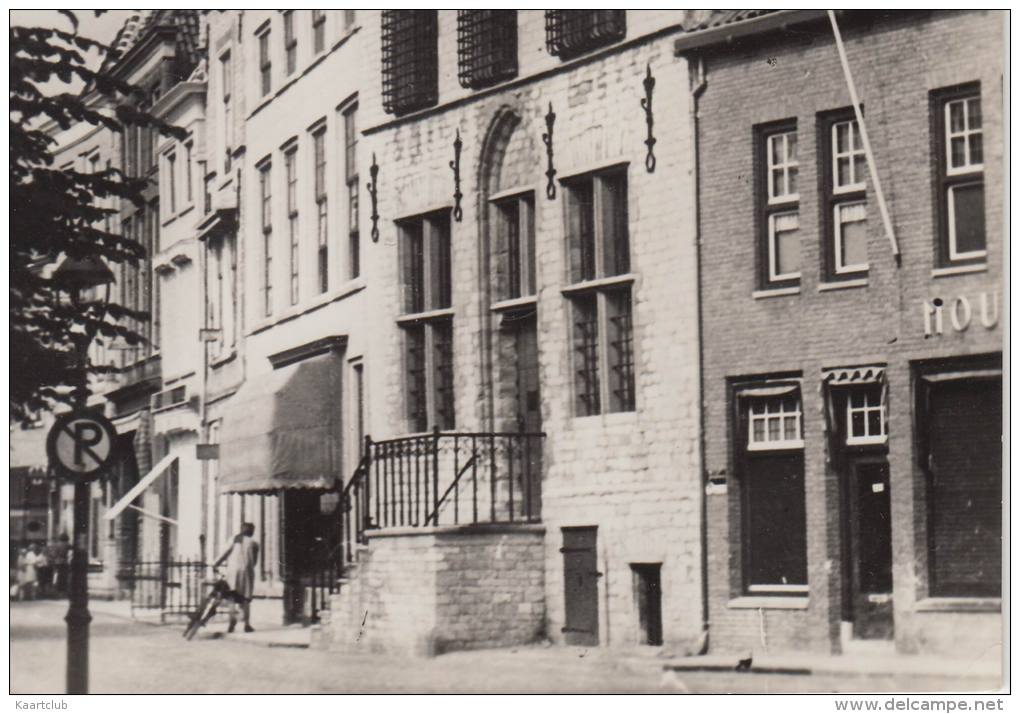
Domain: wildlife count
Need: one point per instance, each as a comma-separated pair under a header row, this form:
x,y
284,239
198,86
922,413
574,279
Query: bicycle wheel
x,y
203,616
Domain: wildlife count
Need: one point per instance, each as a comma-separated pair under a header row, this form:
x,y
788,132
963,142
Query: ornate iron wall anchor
x,y
373,186
455,165
547,139
646,104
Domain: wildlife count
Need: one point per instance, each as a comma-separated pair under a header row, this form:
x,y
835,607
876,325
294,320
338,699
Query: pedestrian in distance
x,y
44,572
27,574
241,558
60,559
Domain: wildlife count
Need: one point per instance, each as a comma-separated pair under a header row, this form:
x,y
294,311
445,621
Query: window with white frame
x,y
780,206
865,416
293,235
961,175
774,423
843,185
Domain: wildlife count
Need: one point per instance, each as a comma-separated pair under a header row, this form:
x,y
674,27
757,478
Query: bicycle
x,y
220,590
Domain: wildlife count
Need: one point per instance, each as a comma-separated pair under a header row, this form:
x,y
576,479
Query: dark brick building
x,y
852,398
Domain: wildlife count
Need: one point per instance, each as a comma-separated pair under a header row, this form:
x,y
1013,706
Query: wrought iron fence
x,y
173,588
442,478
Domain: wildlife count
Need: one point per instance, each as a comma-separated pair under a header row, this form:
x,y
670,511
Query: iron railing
x,y
442,478
173,587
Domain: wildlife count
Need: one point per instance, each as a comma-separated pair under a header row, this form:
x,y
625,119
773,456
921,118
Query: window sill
x,y
296,311
443,313
222,359
777,445
867,440
959,604
514,303
769,602
959,270
843,284
576,171
597,283
775,292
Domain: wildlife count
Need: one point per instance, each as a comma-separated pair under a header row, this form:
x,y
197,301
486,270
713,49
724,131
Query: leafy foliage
x,y
57,214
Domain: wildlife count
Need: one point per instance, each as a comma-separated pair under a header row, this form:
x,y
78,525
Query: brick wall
x,y
634,475
425,591
897,59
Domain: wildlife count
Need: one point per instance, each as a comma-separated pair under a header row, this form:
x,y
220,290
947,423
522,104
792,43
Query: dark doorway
x,y
310,535
648,597
869,560
581,592
529,412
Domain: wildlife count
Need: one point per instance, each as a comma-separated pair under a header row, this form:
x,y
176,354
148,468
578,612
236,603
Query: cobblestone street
x,y
130,657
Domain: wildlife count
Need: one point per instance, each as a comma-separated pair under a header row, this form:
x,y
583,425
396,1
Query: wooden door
x,y
581,592
871,580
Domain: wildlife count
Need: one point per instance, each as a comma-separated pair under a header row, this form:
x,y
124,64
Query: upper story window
x,y
227,88
843,186
265,61
600,296
349,16
266,201
515,247
318,31
293,234
486,47
321,207
189,172
289,42
569,33
779,206
410,60
428,321
171,183
351,174
961,178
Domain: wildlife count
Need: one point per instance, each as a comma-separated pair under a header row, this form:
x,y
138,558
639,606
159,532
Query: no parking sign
x,y
80,445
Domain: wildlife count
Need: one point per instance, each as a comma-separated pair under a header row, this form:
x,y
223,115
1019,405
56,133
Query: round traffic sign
x,y
80,445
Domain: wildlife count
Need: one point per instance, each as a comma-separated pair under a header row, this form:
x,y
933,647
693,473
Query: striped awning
x,y
846,376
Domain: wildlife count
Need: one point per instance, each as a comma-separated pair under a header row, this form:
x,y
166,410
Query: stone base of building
x,y
425,591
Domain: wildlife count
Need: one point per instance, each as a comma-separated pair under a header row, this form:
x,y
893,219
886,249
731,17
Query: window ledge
x,y
514,303
775,292
959,270
515,192
597,283
843,284
427,315
295,311
769,602
222,359
959,604
786,445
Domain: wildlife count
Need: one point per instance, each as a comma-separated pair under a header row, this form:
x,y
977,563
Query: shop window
x,y
960,179
779,206
866,416
774,523
569,33
427,322
600,292
486,47
410,60
961,434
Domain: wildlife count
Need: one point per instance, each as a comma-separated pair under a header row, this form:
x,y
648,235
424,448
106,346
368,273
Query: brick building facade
x,y
852,399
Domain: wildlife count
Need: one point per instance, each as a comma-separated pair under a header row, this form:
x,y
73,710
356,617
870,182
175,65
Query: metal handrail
x,y
434,516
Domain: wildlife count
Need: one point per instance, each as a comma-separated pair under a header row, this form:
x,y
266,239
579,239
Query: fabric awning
x,y
282,431
846,376
971,374
138,489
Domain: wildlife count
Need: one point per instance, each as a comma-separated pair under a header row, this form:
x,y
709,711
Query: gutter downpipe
x,y
696,91
872,168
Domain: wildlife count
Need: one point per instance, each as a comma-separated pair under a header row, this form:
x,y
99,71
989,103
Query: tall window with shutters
x,y
599,292
427,322
960,175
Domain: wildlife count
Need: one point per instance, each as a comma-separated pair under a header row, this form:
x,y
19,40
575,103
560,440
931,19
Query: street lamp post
x,y
80,275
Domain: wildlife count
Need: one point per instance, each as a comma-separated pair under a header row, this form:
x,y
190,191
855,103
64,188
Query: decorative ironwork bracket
x,y
458,213
547,139
373,186
646,104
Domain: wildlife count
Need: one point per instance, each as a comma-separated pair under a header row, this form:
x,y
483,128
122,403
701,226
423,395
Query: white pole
x,y
872,169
